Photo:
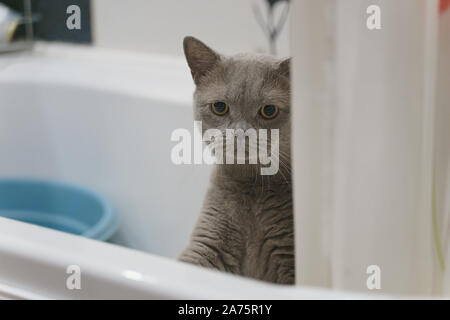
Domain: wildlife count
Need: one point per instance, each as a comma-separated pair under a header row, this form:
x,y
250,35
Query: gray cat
x,y
246,224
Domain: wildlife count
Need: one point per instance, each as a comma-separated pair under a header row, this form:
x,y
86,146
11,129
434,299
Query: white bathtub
x,y
103,120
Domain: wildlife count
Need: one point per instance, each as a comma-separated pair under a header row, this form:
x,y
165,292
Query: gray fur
x,y
246,224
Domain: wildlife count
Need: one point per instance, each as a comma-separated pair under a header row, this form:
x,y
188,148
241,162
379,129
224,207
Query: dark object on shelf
x,y
50,24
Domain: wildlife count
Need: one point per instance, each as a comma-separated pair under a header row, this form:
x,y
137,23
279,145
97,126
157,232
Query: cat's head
x,y
242,91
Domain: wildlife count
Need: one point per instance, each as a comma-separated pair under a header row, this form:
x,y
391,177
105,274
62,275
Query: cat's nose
x,y
240,127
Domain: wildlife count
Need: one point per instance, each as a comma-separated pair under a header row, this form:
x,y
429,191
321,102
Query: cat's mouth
x,y
232,155
253,150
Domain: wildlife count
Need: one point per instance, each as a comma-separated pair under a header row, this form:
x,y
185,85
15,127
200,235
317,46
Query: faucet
x,y
9,23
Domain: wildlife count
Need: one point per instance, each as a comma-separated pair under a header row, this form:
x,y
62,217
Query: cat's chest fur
x,y
255,225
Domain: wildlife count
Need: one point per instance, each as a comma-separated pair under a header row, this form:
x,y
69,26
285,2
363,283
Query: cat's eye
x,y
269,111
220,108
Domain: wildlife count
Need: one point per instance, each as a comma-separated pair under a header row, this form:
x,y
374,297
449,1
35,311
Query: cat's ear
x,y
199,56
284,67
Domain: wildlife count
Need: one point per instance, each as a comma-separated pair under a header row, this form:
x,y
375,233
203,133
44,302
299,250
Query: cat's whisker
x,y
281,170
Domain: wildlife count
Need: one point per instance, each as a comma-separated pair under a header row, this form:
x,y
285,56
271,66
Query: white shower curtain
x,y
442,147
371,137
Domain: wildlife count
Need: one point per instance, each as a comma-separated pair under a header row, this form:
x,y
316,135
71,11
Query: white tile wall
x,y
159,26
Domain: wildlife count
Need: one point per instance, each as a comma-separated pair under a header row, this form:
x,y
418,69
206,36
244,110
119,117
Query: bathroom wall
x,y
151,26
159,26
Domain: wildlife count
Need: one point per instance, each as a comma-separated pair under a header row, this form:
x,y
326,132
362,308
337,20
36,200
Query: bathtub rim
x,y
117,272
151,76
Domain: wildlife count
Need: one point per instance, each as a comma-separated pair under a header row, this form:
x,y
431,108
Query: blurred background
x,y
151,26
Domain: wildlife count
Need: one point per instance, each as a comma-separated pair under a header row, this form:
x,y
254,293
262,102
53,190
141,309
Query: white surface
x,y
33,264
363,134
104,121
159,26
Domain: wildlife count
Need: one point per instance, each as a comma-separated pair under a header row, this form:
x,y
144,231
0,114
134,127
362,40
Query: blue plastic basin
x,y
58,206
